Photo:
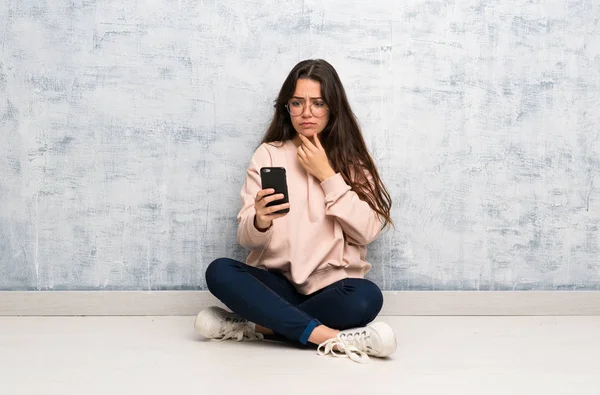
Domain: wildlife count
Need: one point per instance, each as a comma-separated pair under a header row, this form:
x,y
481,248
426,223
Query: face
x,y
307,97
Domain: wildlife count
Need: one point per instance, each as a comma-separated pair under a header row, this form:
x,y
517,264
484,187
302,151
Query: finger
x,y
262,193
303,162
266,213
302,152
272,209
272,198
265,192
307,143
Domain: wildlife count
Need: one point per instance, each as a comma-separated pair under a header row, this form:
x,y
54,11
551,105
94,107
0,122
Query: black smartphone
x,y
275,177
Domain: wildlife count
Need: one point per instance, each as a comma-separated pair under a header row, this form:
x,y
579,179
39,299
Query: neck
x,y
296,140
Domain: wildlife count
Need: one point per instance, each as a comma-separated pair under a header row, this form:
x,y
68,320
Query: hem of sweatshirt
x,y
322,278
334,184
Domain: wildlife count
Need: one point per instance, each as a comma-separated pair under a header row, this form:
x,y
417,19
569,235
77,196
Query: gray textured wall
x,y
126,128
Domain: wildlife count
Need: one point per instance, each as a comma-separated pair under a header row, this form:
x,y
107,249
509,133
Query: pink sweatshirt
x,y
324,236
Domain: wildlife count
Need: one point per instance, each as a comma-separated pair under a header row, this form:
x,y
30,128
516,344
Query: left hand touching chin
x,y
313,158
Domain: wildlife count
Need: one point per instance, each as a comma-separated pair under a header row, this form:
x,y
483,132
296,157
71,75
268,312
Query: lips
x,y
307,124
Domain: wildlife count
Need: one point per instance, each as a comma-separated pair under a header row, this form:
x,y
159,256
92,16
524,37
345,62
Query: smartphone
x,y
275,177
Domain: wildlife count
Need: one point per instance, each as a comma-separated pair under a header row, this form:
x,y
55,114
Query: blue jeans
x,y
270,300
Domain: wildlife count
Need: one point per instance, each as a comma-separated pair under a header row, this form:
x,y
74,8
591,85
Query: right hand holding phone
x,y
264,215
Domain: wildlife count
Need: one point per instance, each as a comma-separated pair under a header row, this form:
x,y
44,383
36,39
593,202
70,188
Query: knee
x,y
218,273
368,302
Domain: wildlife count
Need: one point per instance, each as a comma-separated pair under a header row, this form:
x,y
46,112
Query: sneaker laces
x,y
347,347
238,330
359,339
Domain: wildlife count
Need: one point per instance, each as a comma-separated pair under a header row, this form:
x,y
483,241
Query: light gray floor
x,y
162,355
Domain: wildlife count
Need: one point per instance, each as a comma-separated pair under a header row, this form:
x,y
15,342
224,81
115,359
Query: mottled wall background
x,y
126,128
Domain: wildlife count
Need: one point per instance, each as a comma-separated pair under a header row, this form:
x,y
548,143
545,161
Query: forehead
x,y
306,87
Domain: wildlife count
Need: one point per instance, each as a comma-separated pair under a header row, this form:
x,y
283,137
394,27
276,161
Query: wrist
x,y
261,227
328,174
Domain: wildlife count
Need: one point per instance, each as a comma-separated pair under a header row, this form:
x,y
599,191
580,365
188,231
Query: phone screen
x,y
275,177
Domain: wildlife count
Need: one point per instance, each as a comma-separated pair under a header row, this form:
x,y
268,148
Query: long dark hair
x,y
342,139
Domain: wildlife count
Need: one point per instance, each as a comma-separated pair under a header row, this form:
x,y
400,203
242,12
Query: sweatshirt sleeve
x,y
247,235
358,220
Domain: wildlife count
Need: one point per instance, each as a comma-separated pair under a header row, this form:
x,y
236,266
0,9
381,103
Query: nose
x,y
306,113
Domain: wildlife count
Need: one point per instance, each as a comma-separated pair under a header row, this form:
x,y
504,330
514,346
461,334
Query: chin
x,y
309,133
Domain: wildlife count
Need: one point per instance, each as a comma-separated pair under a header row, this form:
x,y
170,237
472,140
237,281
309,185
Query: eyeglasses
x,y
296,108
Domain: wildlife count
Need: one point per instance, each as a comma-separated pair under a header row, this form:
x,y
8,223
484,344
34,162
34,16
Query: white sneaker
x,y
218,324
376,339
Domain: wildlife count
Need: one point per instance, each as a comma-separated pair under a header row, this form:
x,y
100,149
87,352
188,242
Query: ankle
x,y
321,334
262,330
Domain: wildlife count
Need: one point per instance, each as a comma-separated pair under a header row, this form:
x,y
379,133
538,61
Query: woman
x,y
304,277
